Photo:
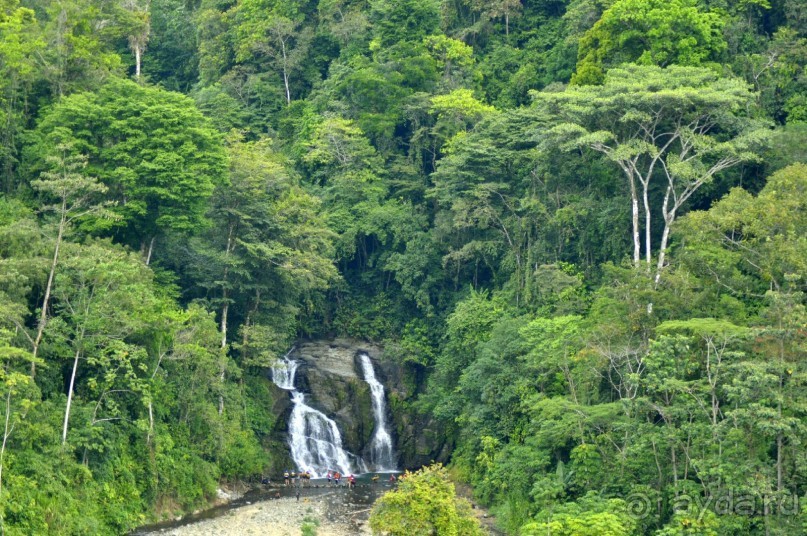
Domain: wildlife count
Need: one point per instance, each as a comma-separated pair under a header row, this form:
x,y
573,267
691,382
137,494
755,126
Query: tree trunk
x,y
647,249
224,309
779,447
662,250
43,315
635,221
151,424
224,294
285,71
150,251
70,396
221,392
6,433
674,462
138,51
669,218
286,83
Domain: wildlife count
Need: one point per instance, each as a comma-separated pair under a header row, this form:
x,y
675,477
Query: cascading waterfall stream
x,y
381,446
283,372
314,439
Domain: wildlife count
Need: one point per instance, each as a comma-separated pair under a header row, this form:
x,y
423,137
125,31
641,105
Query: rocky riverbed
x,y
332,511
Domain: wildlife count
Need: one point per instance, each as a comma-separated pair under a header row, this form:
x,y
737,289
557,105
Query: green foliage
x,y
374,168
152,148
407,20
309,526
590,516
651,32
424,503
173,56
19,45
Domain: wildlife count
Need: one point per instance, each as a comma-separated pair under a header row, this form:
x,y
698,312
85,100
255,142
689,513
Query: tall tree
x,y
274,33
104,297
136,21
76,197
160,158
676,127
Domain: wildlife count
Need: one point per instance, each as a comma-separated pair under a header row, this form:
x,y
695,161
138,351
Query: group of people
x,y
391,480
302,477
336,478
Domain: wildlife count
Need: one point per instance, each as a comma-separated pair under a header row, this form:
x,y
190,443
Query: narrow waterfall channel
x,y
382,457
314,439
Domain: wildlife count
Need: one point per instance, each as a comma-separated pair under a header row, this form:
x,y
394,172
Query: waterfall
x,y
314,439
381,446
283,372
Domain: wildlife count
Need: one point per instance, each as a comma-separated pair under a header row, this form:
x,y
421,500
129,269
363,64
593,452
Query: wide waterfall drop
x,y
381,447
314,439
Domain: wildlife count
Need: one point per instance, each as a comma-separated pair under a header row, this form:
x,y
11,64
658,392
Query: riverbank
x,y
278,512
280,517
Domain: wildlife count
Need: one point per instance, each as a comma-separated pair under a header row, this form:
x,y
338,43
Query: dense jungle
x,y
579,228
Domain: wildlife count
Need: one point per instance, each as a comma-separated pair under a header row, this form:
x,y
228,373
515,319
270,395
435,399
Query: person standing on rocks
x,y
329,477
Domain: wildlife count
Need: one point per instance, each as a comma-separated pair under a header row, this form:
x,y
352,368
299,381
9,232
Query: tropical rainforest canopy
x,y
580,224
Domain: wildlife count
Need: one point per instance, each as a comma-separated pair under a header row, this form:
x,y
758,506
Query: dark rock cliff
x,y
330,375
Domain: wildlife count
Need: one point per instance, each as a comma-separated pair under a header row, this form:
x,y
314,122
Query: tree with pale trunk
x,y
76,197
669,131
505,9
136,22
104,297
278,36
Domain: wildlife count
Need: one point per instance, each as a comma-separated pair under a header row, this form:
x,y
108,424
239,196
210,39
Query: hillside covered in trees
x,y
581,226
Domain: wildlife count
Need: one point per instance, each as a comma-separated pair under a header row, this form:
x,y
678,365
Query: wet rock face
x,y
332,384
330,376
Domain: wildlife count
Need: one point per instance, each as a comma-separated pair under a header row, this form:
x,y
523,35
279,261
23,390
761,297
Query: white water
x,y
283,372
314,439
381,446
